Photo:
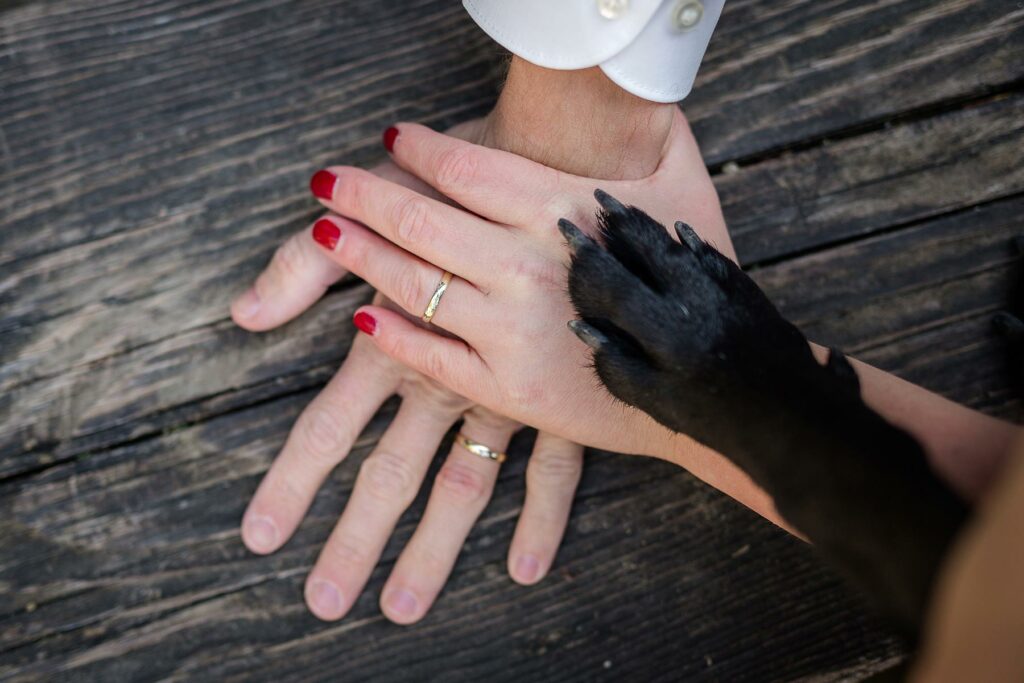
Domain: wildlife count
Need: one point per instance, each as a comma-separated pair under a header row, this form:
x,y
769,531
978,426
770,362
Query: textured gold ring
x,y
435,299
477,448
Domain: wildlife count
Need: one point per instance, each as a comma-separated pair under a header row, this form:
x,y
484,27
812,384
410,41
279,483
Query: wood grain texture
x,y
799,72
152,155
132,569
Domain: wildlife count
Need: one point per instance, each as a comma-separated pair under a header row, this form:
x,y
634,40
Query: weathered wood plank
x,y
173,107
67,309
898,175
151,155
130,568
118,114
775,76
917,302
921,279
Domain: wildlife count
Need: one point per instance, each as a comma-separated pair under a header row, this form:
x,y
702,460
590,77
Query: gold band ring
x,y
435,299
477,448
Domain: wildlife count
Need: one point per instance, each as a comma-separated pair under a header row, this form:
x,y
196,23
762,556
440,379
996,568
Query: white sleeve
x,y
651,48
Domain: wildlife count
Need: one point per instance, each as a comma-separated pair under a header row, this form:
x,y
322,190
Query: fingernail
x,y
389,138
322,184
527,569
365,322
325,599
326,233
261,534
402,603
247,305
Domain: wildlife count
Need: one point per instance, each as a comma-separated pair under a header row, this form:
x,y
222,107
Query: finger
x,y
386,485
319,440
451,362
498,185
402,277
298,275
440,234
552,476
461,491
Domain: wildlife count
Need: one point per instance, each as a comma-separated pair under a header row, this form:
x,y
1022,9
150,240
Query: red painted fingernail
x,y
326,233
365,322
322,184
389,138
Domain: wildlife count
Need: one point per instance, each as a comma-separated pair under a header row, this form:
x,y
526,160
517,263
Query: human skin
x,y
528,120
508,308
977,616
630,138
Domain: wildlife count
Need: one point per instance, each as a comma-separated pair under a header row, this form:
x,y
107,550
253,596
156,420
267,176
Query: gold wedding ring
x,y
477,448
435,299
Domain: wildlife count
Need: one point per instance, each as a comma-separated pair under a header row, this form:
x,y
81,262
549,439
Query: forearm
x,y
965,447
579,122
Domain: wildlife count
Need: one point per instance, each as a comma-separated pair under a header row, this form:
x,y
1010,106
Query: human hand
x,y
507,305
389,478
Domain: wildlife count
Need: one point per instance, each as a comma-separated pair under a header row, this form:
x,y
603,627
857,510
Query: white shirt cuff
x,y
651,48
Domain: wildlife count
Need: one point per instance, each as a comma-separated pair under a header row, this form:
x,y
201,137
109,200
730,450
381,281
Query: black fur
x,y
680,332
1009,324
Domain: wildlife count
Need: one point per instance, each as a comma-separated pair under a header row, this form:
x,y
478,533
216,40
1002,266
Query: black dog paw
x,y
668,319
681,332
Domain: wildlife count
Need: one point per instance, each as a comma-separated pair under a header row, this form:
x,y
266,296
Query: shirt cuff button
x,y
612,9
687,14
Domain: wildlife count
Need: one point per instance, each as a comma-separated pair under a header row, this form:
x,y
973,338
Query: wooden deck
x,y
153,153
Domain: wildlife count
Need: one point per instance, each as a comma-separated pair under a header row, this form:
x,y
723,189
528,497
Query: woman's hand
x,y
507,306
391,475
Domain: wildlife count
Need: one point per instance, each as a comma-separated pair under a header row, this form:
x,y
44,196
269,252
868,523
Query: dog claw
x,y
574,237
687,236
588,334
608,202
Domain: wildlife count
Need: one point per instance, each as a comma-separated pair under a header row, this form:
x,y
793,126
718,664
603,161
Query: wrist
x,y
579,122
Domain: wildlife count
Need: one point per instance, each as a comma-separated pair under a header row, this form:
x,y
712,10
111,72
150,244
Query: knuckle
x,y
560,205
456,168
524,394
432,562
320,429
434,363
461,485
544,273
388,477
290,261
354,186
490,421
412,219
439,400
553,468
348,552
408,291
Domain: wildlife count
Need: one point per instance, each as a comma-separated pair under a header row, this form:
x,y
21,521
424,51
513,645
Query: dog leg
x,y
680,332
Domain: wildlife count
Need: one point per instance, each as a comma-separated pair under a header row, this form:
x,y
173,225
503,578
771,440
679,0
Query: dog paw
x,y
679,331
670,319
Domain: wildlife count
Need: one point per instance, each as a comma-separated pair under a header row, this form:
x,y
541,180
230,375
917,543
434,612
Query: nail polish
x,y
389,138
322,184
365,322
326,233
